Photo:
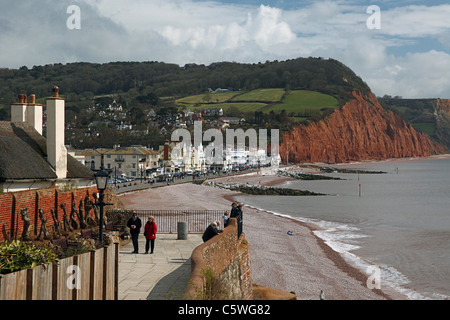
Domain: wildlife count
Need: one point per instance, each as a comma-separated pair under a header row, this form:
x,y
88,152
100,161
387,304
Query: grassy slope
x,y
301,100
264,100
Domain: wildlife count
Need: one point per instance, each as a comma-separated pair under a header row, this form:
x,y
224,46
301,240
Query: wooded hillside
x,y
138,83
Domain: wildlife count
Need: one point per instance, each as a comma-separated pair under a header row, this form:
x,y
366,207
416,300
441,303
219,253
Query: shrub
x,y
18,255
212,288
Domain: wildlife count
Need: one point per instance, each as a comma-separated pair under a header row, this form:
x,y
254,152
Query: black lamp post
x,y
101,178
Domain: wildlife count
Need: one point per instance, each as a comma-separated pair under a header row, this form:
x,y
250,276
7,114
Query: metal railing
x,y
167,220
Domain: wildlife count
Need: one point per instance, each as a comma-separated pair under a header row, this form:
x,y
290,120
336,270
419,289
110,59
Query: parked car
x,y
178,175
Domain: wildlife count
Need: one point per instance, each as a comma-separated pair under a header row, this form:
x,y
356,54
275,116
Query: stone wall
x,y
227,258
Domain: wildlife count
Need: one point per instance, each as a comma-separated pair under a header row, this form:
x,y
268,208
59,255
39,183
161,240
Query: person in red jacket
x,y
150,234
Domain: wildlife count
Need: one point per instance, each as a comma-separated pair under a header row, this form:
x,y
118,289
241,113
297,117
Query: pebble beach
x,y
300,263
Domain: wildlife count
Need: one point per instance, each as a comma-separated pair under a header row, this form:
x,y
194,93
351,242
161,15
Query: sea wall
x,y
221,267
359,130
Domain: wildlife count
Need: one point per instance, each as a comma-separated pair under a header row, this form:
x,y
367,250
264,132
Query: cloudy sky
x,y
402,49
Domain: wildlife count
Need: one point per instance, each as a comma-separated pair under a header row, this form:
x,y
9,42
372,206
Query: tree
x,y
207,97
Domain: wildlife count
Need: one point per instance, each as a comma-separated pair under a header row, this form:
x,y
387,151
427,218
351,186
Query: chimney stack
x,y
19,109
166,150
56,149
34,114
30,113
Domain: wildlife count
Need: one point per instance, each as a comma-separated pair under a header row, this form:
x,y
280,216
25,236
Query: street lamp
x,y
101,178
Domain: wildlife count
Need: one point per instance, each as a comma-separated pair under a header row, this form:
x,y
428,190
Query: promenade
x,y
163,275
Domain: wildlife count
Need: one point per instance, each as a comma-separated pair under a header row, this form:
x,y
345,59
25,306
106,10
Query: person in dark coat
x,y
239,216
210,231
233,211
150,234
135,224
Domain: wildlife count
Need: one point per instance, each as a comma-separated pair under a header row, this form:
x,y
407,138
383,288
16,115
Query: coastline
x,y
396,160
339,261
302,263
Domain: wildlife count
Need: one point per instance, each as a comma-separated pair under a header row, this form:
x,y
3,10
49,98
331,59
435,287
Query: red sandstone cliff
x,y
360,130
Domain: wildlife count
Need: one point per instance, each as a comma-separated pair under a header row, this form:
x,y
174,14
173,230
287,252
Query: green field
x,y
209,97
264,95
242,106
302,102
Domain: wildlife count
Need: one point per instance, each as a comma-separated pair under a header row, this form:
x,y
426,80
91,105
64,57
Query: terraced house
x,y
134,161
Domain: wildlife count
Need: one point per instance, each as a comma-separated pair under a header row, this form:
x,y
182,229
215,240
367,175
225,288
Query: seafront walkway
x,y
163,275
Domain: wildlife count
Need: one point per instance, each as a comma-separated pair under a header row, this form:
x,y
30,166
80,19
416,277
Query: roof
x,y
136,150
23,155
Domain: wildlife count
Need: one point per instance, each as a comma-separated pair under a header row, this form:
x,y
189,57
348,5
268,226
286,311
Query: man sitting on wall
x,y
211,231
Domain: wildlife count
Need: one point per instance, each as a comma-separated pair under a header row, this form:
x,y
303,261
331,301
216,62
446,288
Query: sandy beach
x,y
301,263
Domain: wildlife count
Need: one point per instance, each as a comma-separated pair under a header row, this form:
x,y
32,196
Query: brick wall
x,y
229,259
11,223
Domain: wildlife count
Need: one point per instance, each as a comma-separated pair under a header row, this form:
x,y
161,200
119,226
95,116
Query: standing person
x,y
150,234
225,219
135,224
233,210
239,218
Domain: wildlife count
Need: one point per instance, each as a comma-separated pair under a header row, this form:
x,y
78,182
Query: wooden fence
x,y
89,276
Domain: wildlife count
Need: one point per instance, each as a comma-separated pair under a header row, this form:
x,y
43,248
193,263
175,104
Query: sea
x,y
394,226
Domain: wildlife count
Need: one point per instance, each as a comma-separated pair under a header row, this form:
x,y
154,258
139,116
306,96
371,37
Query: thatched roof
x,y
23,155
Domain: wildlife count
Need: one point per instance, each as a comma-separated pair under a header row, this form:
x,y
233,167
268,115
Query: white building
x,y
134,161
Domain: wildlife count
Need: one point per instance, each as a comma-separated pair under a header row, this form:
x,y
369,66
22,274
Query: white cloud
x,y
269,29
190,31
265,28
142,15
417,75
416,21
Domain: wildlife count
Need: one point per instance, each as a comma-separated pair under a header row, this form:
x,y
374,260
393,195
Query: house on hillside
x,y
227,121
114,106
218,90
28,160
211,112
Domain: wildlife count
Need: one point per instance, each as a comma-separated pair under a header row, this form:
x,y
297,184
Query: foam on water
x,y
343,239
399,224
